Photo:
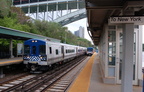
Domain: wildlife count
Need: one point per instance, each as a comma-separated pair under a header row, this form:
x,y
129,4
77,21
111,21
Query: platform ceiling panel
x,y
106,2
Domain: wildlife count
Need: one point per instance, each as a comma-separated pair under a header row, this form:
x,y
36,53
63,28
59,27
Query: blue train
x,y
42,54
90,51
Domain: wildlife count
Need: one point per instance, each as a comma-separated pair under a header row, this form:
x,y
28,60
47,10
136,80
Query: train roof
x,y
47,41
30,40
89,47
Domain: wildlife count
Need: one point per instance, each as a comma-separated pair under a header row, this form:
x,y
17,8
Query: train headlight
x,y
25,57
43,57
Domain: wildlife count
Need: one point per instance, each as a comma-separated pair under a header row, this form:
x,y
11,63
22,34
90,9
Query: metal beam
x,y
71,17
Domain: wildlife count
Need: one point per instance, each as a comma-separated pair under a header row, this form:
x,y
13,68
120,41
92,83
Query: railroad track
x,y
32,83
4,81
62,84
15,81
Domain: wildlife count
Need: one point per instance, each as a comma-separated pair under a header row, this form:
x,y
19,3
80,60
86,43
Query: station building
x,y
111,54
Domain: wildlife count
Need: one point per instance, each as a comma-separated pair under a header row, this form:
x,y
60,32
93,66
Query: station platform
x,y
9,61
90,79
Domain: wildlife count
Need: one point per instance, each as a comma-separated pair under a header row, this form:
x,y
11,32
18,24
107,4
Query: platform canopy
x,y
99,11
8,33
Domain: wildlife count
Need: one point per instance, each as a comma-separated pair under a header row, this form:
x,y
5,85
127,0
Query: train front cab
x,y
34,53
90,51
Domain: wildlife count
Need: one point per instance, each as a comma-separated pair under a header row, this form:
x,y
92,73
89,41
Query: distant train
x,y
42,54
90,51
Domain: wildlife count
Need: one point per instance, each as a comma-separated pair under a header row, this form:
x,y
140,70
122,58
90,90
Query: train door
x,y
119,58
50,52
62,51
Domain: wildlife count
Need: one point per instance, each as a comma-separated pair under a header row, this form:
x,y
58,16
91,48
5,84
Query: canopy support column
x,y
127,62
11,48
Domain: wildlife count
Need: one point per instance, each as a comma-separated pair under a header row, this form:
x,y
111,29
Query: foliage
x,y
49,29
14,24
55,30
4,46
20,15
4,7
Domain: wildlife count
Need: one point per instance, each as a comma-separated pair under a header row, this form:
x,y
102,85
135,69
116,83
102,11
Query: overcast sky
x,y
75,26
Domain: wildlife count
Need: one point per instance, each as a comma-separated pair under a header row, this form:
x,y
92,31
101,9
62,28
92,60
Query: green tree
x,y
20,15
14,24
4,7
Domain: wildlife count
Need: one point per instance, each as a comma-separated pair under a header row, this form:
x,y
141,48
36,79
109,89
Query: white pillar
x,y
28,10
37,12
127,62
139,58
11,48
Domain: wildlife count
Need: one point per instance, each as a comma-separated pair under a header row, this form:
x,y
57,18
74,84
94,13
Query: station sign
x,y
120,20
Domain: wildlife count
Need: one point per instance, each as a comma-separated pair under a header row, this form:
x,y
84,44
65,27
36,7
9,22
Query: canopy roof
x,y
99,11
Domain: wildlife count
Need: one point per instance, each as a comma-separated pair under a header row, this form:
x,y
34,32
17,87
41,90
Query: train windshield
x,y
42,50
89,49
34,50
26,49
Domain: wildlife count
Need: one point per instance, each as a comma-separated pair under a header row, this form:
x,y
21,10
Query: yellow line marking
x,y
82,82
11,61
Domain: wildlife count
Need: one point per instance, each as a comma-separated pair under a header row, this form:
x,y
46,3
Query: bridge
x,y
61,11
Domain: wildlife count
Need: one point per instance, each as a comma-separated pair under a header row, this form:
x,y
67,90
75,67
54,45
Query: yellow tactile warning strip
x,y
9,62
82,82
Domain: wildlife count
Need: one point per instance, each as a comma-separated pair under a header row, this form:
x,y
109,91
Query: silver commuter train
x,y
42,54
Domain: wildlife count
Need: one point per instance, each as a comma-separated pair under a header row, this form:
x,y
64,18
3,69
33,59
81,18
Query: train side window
x,y
42,49
56,51
50,49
